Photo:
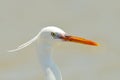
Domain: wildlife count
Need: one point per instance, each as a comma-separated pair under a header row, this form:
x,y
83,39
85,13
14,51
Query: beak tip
x,y
96,44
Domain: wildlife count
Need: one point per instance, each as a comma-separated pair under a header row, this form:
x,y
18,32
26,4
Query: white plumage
x,y
45,39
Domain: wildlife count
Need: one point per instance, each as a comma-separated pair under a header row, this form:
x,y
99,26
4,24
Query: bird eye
x,y
53,34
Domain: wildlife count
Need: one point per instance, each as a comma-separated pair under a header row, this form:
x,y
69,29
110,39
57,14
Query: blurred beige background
x,y
99,20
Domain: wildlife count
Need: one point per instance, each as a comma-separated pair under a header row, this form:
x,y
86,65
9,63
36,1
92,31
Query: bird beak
x,y
79,40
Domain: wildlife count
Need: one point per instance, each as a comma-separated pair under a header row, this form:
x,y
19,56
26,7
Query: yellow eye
x,y
53,34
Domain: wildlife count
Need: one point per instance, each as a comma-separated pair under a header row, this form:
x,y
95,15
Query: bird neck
x,y
49,68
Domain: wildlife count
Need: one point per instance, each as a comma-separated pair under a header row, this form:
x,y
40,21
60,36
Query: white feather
x,y
25,44
51,70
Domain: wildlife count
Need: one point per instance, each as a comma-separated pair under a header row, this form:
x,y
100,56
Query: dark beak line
x,y
79,40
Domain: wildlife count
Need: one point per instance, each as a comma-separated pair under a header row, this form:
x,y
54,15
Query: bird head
x,y
53,34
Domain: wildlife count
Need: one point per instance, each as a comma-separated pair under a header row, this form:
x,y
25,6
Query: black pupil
x,y
53,34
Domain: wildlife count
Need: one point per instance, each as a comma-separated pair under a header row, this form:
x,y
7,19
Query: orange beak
x,y
79,40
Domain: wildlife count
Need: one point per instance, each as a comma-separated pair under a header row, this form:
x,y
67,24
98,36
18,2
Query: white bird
x,y
46,38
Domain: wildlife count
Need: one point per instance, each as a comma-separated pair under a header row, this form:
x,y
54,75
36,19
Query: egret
x,y
45,39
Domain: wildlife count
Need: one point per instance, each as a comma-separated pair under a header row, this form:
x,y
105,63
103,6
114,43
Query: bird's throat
x,y
50,69
44,52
